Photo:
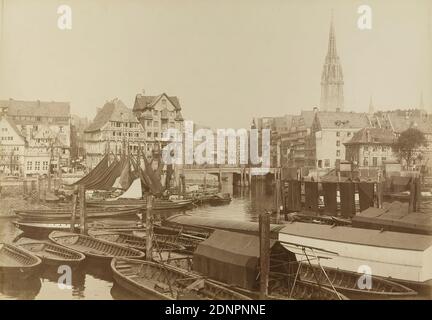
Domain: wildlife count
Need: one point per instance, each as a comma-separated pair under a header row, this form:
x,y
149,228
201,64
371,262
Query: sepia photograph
x,y
230,151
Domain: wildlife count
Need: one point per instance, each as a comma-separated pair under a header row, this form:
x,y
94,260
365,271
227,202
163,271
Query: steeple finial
x,y
421,105
332,39
371,107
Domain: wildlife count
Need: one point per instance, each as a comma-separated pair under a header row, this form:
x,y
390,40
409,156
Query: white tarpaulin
x,y
134,191
117,184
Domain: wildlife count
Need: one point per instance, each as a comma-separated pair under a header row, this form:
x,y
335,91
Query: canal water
x,y
95,281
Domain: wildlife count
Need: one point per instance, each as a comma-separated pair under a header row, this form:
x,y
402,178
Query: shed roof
x,y
373,238
373,136
36,108
223,224
343,120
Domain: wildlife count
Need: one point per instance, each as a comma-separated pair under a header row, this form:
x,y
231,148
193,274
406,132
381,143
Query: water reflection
x,y
94,280
20,289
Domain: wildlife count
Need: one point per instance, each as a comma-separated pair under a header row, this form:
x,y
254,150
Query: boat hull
x,y
16,263
52,254
146,278
94,249
348,283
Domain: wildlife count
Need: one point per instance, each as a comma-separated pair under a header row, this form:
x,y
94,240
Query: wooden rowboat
x,y
347,282
132,241
49,215
16,262
165,282
188,242
93,248
68,210
52,254
157,205
280,285
39,230
220,200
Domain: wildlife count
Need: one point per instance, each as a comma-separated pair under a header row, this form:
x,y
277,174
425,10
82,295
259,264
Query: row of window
x,y
348,134
37,165
126,134
9,157
156,113
374,161
50,119
376,148
7,138
118,124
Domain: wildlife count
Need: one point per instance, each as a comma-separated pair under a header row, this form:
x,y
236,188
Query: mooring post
x,y
417,198
411,205
379,188
205,180
149,228
39,190
74,209
83,213
264,232
278,195
183,184
44,191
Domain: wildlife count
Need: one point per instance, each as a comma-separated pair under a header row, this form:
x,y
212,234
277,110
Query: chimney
x,y
143,92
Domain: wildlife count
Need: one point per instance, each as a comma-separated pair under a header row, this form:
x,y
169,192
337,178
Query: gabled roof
x,y
343,120
372,136
12,124
36,108
114,110
308,118
147,102
401,123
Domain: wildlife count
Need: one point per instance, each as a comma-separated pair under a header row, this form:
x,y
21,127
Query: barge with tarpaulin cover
x,y
401,257
234,258
190,222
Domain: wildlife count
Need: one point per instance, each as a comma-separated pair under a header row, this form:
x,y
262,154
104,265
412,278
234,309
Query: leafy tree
x,y
408,143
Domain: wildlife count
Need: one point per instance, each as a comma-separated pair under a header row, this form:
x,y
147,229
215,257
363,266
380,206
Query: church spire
x,y
331,52
332,98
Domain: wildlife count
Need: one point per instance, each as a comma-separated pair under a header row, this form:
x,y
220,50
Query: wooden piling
x,y
39,189
149,228
417,199
278,195
44,192
264,232
83,213
205,180
411,204
74,209
183,184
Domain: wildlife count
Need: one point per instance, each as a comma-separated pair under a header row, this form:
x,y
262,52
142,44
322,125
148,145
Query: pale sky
x,y
227,61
